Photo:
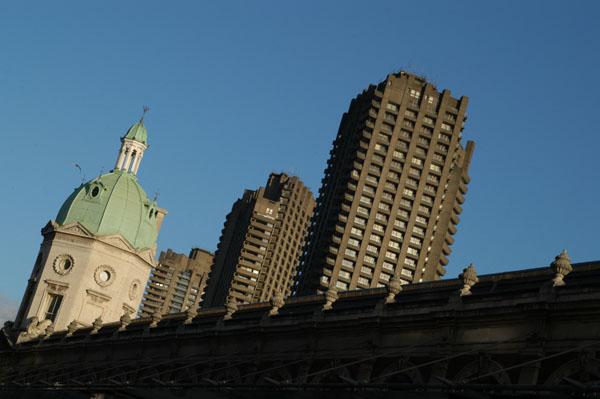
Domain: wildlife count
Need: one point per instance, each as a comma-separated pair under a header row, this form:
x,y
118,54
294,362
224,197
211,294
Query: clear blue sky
x,y
240,89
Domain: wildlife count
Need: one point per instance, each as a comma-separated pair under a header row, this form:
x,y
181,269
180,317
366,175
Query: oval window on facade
x,y
63,264
104,275
134,289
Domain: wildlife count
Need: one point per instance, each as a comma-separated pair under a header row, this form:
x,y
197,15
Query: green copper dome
x,y
138,132
113,204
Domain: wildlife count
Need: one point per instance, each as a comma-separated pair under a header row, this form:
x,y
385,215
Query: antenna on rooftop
x,y
156,193
145,108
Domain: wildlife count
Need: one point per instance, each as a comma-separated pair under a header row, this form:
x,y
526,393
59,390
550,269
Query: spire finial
x,y
145,108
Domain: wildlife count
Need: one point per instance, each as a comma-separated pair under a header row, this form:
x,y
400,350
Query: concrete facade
x,y
177,282
259,251
392,190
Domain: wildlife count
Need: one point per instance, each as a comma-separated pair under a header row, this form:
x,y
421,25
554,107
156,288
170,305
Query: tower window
x,y
54,303
95,191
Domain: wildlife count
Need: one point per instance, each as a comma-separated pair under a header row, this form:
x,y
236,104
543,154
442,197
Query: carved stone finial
x,y
468,278
156,318
393,288
277,302
232,307
561,266
331,296
190,313
49,330
34,329
72,327
125,321
96,325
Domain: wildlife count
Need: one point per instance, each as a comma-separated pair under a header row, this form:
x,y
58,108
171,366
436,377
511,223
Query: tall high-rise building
x,y
260,248
392,190
177,282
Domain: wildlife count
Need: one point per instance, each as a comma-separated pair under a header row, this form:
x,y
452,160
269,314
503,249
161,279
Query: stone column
x,y
120,158
127,159
138,160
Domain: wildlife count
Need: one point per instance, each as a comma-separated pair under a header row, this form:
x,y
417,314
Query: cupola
x,y
133,145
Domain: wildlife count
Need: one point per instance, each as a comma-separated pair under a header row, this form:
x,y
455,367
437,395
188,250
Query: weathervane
x,y
145,108
80,172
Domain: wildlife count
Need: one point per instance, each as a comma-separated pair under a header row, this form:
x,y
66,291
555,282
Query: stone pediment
x,y
147,255
76,228
118,241
57,286
49,227
115,240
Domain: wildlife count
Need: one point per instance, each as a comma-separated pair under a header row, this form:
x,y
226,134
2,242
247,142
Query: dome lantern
x,y
133,145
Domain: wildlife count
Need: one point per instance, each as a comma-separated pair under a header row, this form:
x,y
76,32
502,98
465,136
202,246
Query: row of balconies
x,y
260,232
160,296
460,198
457,208
150,306
454,218
243,287
449,239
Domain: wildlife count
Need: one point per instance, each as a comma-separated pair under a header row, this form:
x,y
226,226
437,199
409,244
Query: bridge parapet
x,y
514,332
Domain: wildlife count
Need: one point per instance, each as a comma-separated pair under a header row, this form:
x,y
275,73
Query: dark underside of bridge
x,y
304,392
510,335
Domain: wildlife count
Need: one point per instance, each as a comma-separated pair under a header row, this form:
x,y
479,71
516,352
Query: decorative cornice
x,y
98,294
422,302
117,241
